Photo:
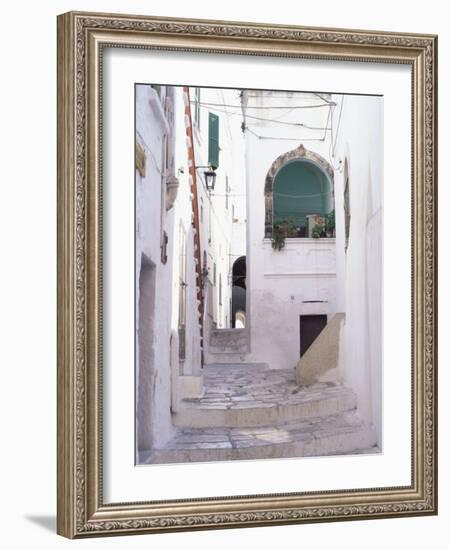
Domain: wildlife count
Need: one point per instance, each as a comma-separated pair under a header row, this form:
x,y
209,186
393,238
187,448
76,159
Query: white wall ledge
x,y
301,274
304,240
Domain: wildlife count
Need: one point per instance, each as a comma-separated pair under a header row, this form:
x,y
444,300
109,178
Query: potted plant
x,y
330,224
278,240
318,230
280,232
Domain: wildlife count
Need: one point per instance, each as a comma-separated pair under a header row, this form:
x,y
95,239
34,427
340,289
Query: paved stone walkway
x,y
240,386
344,433
253,395
251,412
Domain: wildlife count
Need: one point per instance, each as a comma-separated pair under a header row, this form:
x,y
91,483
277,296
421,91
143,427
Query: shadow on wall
x,y
146,370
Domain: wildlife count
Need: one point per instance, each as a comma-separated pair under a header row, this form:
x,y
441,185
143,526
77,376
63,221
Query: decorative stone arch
x,y
302,154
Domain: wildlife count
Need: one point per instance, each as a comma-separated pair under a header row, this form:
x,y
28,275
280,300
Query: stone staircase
x,y
227,346
251,412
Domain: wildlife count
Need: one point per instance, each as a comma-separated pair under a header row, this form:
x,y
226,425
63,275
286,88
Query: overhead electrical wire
x,y
329,127
276,121
327,123
318,106
227,114
333,142
282,138
328,101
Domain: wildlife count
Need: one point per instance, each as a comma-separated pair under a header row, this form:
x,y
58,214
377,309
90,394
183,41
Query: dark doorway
x,y
238,291
310,327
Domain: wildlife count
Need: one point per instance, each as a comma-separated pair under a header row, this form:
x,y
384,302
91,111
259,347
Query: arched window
x,y
299,196
302,198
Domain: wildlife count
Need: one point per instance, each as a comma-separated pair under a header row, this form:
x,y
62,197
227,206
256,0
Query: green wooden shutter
x,y
214,148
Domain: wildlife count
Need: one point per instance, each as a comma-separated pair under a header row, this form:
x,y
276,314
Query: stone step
x,y
226,358
258,403
231,350
226,336
214,371
228,341
343,433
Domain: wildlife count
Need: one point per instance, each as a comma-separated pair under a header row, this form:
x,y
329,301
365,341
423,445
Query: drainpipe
x,y
195,217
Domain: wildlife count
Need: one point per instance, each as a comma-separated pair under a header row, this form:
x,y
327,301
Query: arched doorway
x,y
238,306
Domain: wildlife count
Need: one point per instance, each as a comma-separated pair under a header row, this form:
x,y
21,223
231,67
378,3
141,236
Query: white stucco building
x,y
300,279
324,157
358,153
277,269
184,260
154,224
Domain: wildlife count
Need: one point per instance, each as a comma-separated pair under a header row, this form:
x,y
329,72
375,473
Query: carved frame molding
x,y
81,38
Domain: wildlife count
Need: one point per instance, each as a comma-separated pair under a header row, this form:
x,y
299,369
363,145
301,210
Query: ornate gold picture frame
x,y
82,41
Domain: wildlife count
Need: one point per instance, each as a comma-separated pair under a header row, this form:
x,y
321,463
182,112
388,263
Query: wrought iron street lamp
x,y
210,177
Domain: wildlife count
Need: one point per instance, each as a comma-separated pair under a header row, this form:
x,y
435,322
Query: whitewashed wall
x,y
223,239
279,281
151,127
360,143
182,211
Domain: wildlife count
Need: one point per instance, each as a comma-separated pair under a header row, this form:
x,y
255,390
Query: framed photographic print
x,y
246,274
